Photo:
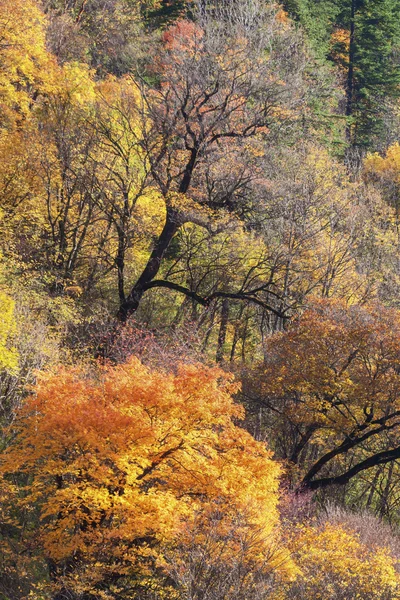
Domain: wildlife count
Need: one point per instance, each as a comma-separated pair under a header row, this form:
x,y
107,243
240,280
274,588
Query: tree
x,y
312,232
8,354
384,171
372,73
317,19
331,386
217,97
116,465
24,59
106,34
335,561
215,557
311,220
362,38
67,196
47,183
127,201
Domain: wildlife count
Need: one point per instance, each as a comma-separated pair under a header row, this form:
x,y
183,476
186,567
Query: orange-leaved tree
x,y
331,385
116,465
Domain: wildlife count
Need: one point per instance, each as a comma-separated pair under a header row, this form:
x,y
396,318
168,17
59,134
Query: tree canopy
x,y
199,297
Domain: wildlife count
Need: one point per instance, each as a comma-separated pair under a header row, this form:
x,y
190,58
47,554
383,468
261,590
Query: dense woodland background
x,y
200,299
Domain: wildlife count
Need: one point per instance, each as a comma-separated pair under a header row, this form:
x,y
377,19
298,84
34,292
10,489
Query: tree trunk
x,y
222,330
120,262
131,303
171,226
350,72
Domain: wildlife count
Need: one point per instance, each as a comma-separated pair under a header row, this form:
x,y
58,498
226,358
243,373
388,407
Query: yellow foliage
x,y
336,564
388,165
24,60
8,356
316,225
71,83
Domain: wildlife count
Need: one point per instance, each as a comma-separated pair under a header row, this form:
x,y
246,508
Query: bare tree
x,y
225,83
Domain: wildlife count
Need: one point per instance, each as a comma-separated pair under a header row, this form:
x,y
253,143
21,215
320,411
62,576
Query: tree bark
x,y
380,458
350,71
222,330
132,301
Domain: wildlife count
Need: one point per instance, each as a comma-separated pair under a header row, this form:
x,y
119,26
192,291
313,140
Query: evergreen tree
x,y
361,37
372,74
317,17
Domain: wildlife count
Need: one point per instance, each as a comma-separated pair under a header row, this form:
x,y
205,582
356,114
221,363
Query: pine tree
x,y
317,17
361,37
372,72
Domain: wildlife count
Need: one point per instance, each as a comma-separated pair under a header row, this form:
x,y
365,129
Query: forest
x,y
199,300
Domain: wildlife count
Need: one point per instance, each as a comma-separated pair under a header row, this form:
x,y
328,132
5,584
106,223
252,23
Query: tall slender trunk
x,y
384,500
222,330
372,489
120,262
236,334
350,72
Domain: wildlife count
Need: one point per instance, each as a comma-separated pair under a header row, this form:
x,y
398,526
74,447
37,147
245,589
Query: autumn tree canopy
x,y
185,184
121,462
331,382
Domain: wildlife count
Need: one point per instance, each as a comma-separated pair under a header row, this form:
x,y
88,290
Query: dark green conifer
x,y
372,71
368,57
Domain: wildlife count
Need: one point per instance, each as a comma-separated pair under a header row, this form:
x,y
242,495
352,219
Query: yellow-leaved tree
x,y
24,59
8,355
337,564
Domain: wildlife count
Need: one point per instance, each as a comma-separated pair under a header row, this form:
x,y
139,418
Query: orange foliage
x,y
339,47
333,357
183,35
119,463
333,379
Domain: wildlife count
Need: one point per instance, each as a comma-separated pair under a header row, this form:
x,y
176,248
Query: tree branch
x,y
380,458
206,300
159,459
